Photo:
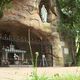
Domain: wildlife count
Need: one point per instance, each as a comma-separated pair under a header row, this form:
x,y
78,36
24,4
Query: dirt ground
x,y
21,73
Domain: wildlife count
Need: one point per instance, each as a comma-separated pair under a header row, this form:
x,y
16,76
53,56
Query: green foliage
x,y
3,4
55,77
70,17
70,21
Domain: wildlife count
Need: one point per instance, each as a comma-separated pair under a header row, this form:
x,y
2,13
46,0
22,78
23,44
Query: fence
x,y
24,63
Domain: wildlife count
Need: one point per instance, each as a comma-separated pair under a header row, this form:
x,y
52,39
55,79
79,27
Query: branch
x,y
29,41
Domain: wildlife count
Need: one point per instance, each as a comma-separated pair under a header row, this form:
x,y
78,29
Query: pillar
x,y
6,56
58,59
22,56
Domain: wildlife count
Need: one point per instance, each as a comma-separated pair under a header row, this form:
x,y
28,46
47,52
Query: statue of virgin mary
x,y
44,14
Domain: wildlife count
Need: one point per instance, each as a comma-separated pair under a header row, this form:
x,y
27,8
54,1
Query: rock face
x,y
27,12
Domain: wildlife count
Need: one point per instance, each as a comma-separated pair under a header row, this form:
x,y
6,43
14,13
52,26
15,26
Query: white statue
x,y
16,57
44,14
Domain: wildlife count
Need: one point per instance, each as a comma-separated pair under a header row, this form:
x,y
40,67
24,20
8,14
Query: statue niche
x,y
44,14
47,10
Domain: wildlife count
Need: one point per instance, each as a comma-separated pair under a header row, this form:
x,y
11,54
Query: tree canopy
x,y
70,16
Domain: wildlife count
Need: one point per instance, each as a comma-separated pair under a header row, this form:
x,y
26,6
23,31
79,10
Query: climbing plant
x,y
3,4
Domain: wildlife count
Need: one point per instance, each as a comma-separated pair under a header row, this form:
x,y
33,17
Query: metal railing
x,y
25,62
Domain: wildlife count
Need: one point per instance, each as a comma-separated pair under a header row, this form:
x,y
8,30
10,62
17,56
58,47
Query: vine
x,y
3,4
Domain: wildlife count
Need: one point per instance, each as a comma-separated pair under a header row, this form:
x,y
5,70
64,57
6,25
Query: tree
x,y
70,22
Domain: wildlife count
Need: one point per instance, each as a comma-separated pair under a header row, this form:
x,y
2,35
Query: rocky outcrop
x,y
27,12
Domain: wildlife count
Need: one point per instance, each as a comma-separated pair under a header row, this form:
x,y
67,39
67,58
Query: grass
x,y
55,77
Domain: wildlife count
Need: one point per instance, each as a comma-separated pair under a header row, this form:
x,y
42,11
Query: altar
x,y
12,56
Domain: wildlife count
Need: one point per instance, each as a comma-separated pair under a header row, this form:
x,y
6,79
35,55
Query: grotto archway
x,y
16,34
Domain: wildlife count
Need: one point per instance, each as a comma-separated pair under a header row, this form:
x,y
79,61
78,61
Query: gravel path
x,y
16,73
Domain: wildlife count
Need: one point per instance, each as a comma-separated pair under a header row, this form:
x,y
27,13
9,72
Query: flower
x,y
37,53
43,56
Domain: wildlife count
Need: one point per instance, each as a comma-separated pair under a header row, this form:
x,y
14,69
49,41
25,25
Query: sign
x,y
66,51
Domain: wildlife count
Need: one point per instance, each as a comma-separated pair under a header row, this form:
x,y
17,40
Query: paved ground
x,y
16,73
